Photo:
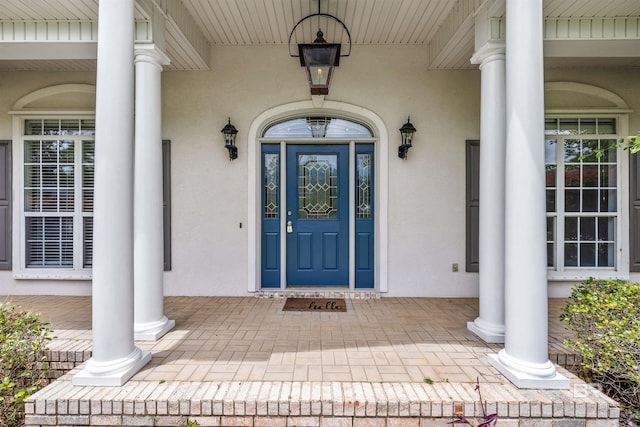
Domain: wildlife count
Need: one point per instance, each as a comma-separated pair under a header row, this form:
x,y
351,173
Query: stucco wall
x,y
209,193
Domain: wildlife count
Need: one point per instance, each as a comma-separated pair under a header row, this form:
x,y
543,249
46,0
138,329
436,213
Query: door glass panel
x,y
271,185
318,186
363,181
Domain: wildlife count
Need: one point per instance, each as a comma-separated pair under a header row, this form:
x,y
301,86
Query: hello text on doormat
x,y
315,304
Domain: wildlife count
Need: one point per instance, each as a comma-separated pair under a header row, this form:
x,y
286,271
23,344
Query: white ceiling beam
x,y
454,29
184,28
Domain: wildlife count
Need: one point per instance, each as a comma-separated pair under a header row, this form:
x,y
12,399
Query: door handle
x,y
289,227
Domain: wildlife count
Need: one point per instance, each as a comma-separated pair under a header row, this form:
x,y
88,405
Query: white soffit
x,y
444,27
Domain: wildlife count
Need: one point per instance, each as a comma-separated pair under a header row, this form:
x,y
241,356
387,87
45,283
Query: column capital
x,y
151,53
490,51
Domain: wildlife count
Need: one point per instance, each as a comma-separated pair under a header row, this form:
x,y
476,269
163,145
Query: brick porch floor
x,y
243,361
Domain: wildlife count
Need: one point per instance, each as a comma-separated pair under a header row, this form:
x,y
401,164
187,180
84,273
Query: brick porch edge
x,y
358,404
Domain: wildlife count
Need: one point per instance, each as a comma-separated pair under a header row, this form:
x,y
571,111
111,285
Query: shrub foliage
x,y
23,370
605,317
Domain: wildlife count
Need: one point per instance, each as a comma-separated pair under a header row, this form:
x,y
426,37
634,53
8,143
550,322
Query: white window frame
x,y
621,262
20,271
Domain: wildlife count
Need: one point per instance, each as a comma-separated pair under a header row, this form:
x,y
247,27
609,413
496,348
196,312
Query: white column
x,y
115,357
525,358
489,325
150,323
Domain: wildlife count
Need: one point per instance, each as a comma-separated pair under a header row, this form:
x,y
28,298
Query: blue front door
x,y
317,215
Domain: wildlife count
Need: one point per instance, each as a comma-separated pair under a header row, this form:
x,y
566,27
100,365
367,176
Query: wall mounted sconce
x,y
319,58
407,130
229,131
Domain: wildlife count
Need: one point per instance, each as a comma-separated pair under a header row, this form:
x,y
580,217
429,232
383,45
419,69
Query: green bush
x,y
23,370
605,317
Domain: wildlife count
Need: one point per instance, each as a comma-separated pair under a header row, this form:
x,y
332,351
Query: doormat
x,y
315,304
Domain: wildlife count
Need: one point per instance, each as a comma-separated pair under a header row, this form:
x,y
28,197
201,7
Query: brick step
x,y
158,403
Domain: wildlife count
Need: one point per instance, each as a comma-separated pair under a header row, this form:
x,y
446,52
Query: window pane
x,y
589,176
608,176
609,151
87,232
65,176
589,150
587,229
32,151
571,229
588,255
66,152
51,127
49,242
32,200
589,200
572,176
49,151
49,200
33,127
606,229
572,200
551,171
568,126
551,151
606,126
551,255
571,254
551,200
608,201
572,151
551,126
588,126
88,152
87,127
69,127
605,255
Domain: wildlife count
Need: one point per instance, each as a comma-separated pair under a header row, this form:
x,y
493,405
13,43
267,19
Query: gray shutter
x,y
634,214
473,204
166,202
5,205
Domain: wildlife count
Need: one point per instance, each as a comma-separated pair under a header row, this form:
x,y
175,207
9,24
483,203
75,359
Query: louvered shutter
x,y
473,204
5,205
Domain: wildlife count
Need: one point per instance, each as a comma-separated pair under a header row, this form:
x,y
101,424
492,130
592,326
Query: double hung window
x,y
57,160
583,179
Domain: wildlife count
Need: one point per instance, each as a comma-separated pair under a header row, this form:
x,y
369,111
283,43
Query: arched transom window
x,y
317,127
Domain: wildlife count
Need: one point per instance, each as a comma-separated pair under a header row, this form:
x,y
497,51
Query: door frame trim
x,y
381,143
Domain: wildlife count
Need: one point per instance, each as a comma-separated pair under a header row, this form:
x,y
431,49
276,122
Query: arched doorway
x,y
318,205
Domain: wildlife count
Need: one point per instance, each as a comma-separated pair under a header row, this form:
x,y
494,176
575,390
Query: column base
x,y
152,331
488,332
114,373
527,375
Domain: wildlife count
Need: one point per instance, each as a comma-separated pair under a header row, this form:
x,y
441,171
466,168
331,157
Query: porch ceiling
x,y
269,22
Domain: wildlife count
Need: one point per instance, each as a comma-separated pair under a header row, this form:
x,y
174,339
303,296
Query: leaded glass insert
x,y
363,181
318,186
271,185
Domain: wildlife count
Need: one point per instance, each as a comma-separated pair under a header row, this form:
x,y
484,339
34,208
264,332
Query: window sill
x,y
580,275
52,275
